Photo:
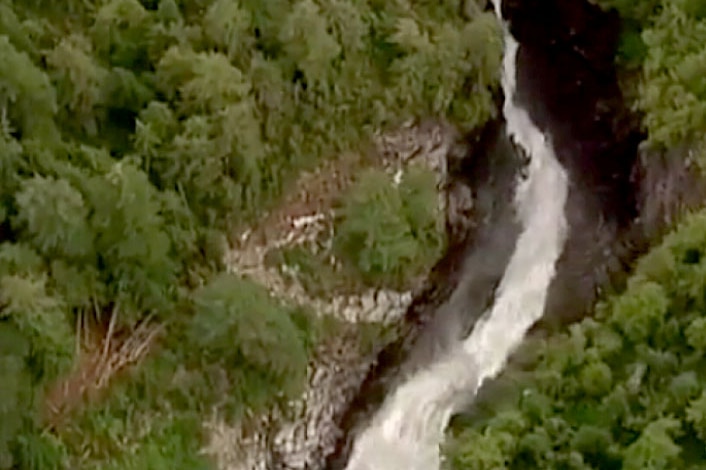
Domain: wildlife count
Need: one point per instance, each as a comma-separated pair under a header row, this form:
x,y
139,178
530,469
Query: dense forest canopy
x,y
136,135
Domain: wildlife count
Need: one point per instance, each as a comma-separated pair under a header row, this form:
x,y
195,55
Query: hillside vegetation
x,y
626,389
137,135
134,137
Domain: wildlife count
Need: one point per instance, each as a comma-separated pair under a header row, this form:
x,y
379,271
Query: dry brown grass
x,y
102,352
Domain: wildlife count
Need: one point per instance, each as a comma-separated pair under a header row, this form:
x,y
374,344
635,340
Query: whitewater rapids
x,y
406,431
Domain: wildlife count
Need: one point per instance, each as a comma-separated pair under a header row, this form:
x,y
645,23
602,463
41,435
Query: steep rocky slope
x,y
302,436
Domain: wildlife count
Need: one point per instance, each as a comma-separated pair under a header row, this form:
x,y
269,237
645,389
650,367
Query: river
x,y
407,430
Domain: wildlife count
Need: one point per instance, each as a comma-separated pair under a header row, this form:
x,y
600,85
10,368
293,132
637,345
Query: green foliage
x,y
624,390
78,80
164,449
674,93
131,431
26,94
134,135
14,350
307,43
241,351
39,316
390,233
41,451
664,39
54,217
236,322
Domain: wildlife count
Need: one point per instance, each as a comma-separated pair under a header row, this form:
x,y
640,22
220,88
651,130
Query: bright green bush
x,y
41,451
673,94
241,352
134,429
390,233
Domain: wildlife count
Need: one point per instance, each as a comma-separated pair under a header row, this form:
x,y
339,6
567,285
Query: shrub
x,y
390,233
238,326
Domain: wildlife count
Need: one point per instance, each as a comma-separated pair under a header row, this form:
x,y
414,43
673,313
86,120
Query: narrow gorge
x,y
547,207
562,202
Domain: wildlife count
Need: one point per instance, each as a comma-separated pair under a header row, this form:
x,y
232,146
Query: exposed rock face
x,y
670,184
335,375
305,442
302,439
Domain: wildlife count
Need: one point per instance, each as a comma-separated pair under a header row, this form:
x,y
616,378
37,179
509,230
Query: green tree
x,y
390,233
237,322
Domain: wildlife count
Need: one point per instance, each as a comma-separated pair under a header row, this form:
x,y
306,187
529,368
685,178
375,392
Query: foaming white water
x,y
540,201
406,432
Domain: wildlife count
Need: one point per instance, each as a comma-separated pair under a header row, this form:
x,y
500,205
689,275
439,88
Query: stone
x,y
368,302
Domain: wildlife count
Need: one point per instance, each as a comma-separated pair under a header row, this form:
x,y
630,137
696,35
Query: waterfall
x,y
406,431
